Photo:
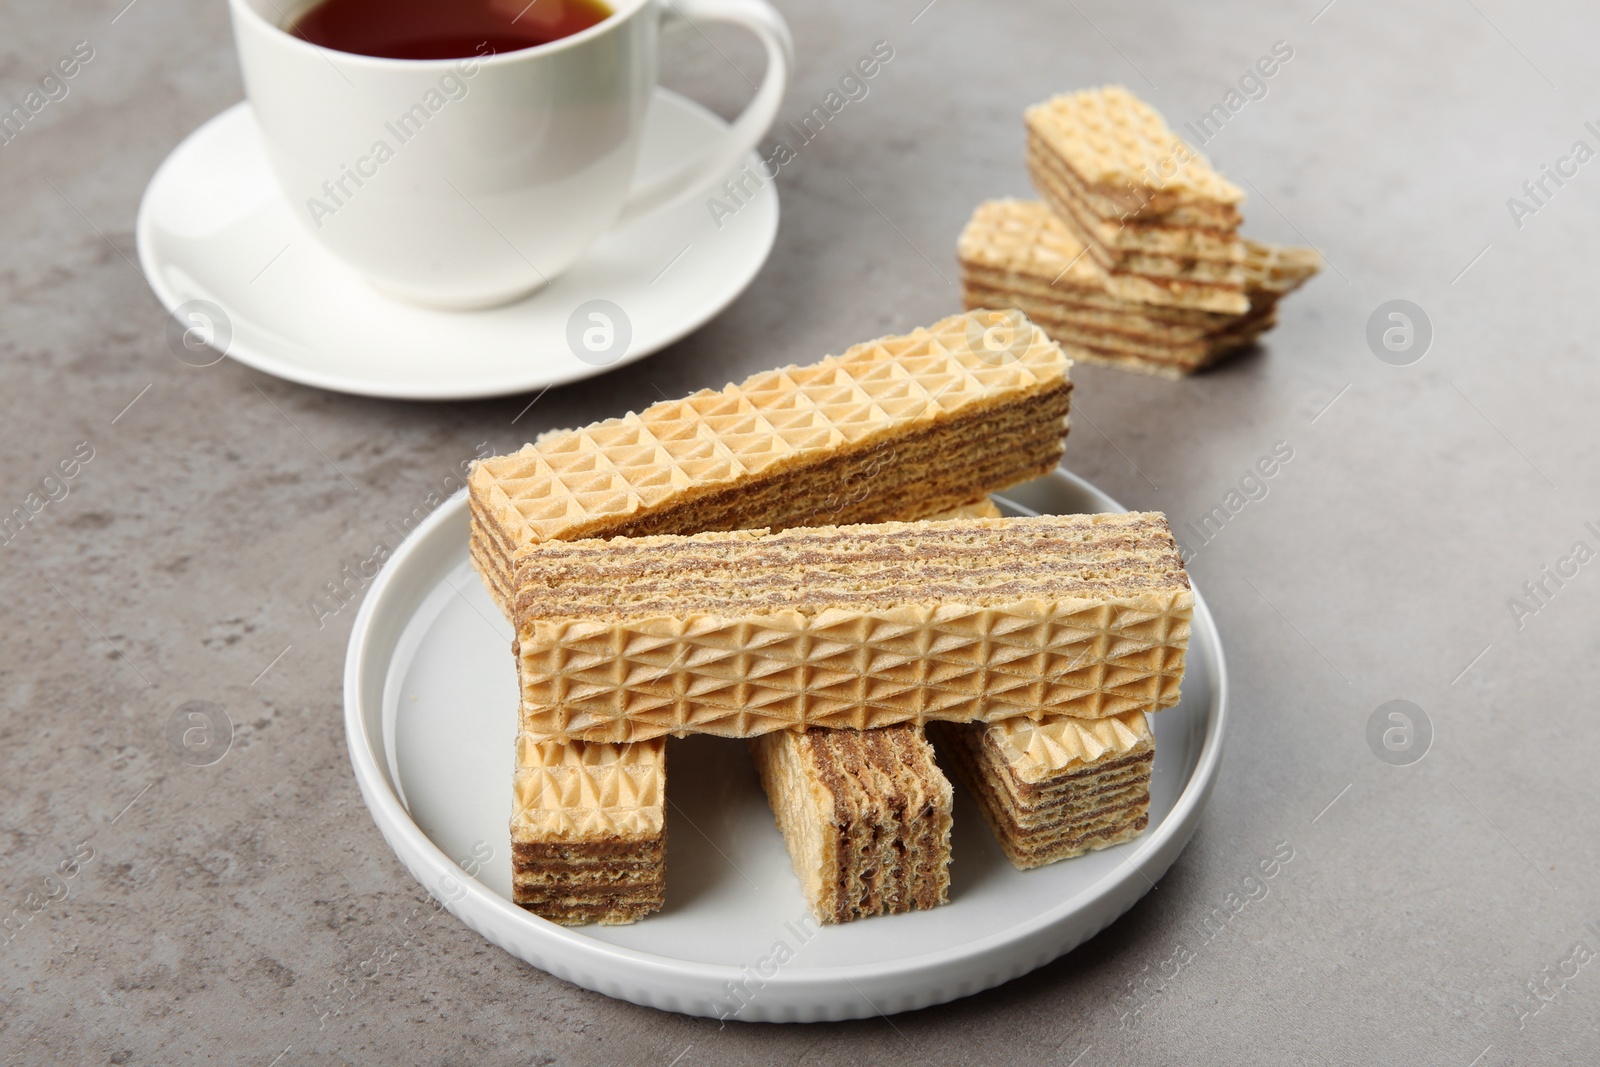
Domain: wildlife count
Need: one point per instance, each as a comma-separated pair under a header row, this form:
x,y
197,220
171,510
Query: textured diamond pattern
x,y
567,483
1019,254
1037,751
579,792
1149,209
626,681
1111,137
1025,237
1057,788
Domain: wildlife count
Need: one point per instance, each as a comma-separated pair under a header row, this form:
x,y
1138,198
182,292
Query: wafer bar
x,y
742,633
1058,787
1150,209
1129,164
1018,254
901,427
865,815
588,831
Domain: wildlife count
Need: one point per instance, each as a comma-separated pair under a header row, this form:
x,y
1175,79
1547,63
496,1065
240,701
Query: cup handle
x,y
761,19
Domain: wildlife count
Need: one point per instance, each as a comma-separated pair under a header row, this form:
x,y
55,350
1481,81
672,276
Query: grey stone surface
x,y
248,911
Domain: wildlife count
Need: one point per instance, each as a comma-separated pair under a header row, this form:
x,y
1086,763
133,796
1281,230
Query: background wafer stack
x,y
1133,258
1149,208
1018,254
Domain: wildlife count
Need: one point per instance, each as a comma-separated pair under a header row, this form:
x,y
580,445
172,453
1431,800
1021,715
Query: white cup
x,y
472,182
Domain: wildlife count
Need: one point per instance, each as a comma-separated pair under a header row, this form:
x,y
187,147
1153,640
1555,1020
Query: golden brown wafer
x,y
1151,210
743,633
588,830
1017,253
866,817
1058,787
902,427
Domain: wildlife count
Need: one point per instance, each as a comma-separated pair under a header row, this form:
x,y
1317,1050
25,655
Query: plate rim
x,y
569,954
447,387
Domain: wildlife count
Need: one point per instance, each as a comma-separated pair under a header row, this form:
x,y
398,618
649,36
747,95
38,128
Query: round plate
x,y
213,226
431,718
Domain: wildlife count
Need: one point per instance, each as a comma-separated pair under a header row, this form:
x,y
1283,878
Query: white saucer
x,y
214,227
430,705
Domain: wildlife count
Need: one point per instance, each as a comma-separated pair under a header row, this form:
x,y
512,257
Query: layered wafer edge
x,y
1057,788
964,620
866,816
901,427
1018,254
588,830
1149,208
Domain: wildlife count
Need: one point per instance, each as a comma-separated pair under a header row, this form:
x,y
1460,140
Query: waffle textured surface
x,y
1018,254
588,830
1152,262
1056,788
855,627
903,426
1151,211
568,792
866,815
1036,752
1119,144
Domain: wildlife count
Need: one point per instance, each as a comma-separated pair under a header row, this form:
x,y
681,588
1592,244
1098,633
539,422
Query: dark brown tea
x,y
443,29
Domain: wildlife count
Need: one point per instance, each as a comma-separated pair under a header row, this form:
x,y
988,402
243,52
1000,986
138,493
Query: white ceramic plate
x,y
430,716
214,227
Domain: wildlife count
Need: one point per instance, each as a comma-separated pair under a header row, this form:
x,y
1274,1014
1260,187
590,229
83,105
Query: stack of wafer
x,y
588,829
1048,633
670,573
1150,209
1134,258
1018,254
896,428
